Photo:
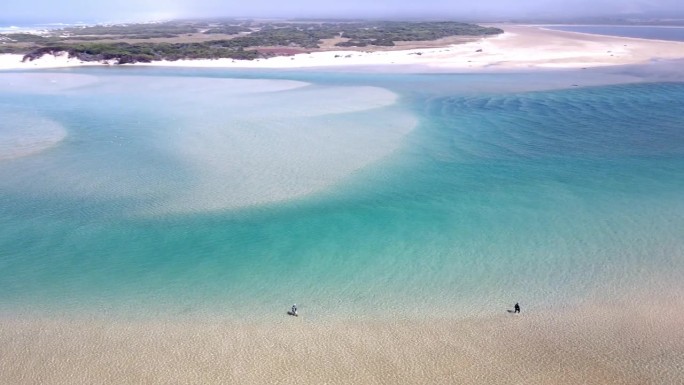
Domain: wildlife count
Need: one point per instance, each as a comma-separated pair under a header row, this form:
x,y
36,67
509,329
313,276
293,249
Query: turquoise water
x,y
487,197
674,33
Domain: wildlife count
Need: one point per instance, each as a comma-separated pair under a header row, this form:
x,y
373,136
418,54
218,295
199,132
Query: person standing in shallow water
x,y
516,308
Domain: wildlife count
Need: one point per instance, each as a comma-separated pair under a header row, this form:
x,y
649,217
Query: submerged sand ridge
x,y
587,345
263,147
23,134
209,143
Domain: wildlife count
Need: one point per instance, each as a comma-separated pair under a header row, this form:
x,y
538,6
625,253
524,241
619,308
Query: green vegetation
x,y
12,49
304,36
386,33
227,30
25,38
125,30
124,53
224,38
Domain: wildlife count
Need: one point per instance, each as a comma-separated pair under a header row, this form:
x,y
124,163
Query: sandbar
x,y
519,47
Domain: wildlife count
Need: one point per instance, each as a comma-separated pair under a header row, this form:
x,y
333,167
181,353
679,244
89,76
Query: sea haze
x,y
216,192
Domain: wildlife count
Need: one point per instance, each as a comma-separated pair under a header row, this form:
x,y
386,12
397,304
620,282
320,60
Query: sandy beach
x,y
520,47
606,344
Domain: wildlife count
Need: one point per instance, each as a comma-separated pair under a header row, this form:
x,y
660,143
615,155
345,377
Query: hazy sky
x,y
94,10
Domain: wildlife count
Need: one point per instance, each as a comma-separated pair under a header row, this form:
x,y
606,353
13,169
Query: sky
x,y
477,10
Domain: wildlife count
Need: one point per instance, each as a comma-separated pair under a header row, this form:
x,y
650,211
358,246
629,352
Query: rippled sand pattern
x,y
591,345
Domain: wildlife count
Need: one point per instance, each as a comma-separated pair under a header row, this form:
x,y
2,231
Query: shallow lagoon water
x,y
191,192
656,32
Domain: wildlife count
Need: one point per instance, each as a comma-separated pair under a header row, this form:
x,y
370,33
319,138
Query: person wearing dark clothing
x,y
516,308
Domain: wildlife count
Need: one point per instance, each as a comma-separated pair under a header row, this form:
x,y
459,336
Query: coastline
x,y
629,338
519,47
613,343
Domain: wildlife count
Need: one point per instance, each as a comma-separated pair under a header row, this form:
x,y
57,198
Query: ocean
x,y
148,193
656,32
14,26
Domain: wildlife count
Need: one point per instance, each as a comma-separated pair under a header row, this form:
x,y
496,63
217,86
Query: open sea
x,y
146,192
656,32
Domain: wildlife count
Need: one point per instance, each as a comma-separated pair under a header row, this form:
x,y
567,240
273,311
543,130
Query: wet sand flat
x,y
593,345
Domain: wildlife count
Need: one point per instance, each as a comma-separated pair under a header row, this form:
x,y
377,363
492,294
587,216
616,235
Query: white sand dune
x,y
60,60
518,48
